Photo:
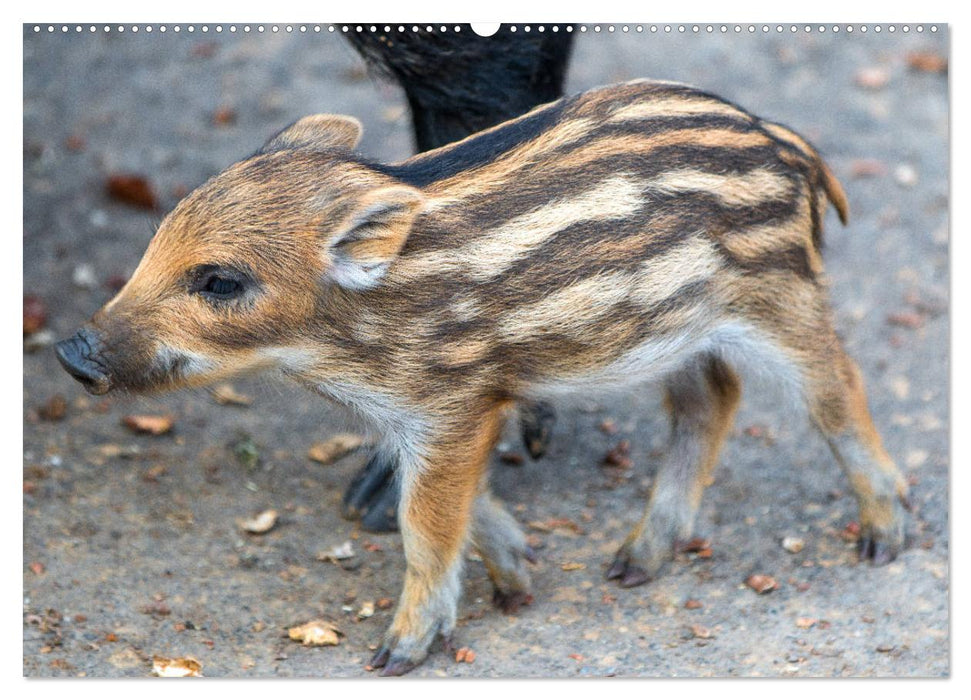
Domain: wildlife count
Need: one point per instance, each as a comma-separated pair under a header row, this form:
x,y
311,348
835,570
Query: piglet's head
x,y
238,271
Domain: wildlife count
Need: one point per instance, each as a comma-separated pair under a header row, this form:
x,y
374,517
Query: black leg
x,y
536,421
374,480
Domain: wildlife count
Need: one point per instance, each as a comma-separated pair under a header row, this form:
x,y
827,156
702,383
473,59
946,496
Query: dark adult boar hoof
x,y
627,574
510,602
536,421
373,496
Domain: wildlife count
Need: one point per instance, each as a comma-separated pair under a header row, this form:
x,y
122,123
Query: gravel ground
x,y
131,543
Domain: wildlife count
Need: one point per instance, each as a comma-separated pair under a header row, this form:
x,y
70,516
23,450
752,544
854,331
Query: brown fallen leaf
x,y
512,458
906,319
465,655
336,447
37,567
608,426
74,143
619,456
226,395
851,533
927,62
318,633
701,632
184,667
151,425
868,167
804,623
385,603
133,190
563,525
367,609
35,313
263,522
224,116
695,544
761,583
54,410
573,566
692,604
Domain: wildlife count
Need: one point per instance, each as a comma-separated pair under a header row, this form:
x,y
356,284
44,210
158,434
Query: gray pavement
x,y
131,546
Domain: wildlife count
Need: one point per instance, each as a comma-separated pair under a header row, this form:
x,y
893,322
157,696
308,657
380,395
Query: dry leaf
x,y
263,522
35,314
760,583
367,609
54,409
465,655
224,116
317,633
338,553
573,566
184,667
132,189
701,632
334,448
927,62
804,623
868,167
225,394
692,604
152,425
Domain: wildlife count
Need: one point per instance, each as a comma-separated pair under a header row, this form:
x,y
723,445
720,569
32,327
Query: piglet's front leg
x,y
437,502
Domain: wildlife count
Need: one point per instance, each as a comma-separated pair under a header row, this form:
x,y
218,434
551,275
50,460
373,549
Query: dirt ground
x,y
131,542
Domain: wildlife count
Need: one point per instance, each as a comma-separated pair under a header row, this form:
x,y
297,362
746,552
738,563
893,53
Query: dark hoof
x,y
398,667
877,550
380,658
536,421
511,602
529,554
627,575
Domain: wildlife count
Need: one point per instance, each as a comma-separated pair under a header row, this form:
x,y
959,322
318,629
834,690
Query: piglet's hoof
x,y
627,574
877,550
510,602
389,664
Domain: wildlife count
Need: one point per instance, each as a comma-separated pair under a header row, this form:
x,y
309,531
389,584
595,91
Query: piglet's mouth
x,y
78,355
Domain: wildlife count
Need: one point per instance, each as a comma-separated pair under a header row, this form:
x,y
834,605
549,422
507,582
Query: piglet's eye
x,y
218,283
222,287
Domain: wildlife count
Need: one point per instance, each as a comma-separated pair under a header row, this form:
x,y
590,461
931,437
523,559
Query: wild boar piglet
x,y
641,231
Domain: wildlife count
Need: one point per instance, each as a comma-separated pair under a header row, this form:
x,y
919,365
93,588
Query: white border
x,y
617,11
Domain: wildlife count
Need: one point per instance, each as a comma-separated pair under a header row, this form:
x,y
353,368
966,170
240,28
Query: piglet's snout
x,y
79,355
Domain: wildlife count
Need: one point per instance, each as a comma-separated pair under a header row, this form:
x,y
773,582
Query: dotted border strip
x,y
526,28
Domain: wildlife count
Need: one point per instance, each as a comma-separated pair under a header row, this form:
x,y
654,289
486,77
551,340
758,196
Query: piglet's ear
x,y
318,132
370,238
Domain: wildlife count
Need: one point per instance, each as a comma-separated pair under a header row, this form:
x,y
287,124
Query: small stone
x,y
84,277
905,175
872,78
793,545
761,583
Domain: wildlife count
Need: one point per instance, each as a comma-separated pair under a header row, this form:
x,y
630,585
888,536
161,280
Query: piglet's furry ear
x,y
318,132
370,238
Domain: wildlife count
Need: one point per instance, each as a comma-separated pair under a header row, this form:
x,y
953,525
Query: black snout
x,y
79,355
